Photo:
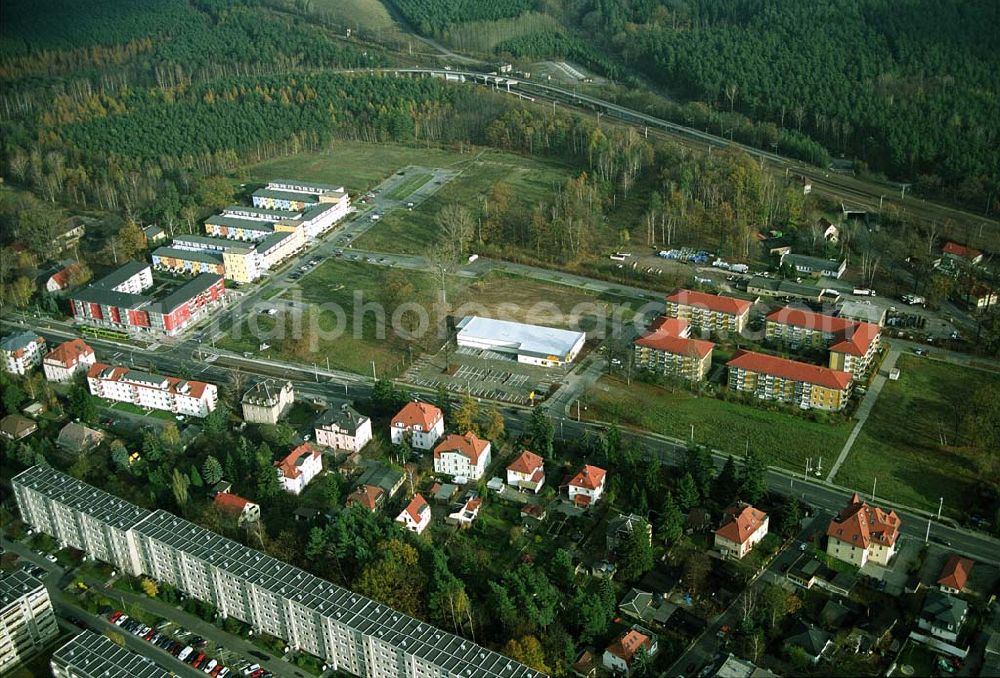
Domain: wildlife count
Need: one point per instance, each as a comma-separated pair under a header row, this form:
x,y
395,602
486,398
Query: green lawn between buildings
x,y
900,442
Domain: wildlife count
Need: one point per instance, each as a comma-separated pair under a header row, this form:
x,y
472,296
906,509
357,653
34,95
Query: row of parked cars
x,y
189,652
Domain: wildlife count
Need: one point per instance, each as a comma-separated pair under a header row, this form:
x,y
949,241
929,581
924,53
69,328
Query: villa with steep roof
x,y
527,472
620,655
466,456
301,465
862,533
587,486
417,514
742,527
422,422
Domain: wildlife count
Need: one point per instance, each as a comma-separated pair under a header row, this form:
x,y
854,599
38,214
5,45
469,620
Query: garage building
x,y
532,344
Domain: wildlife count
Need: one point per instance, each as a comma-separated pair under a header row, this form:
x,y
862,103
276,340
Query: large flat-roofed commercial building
x,y
90,655
351,633
532,344
27,621
152,391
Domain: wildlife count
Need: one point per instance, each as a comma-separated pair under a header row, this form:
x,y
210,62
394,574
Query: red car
x,y
197,660
216,670
114,616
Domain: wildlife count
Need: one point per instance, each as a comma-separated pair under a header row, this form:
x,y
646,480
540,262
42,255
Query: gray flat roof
x,y
211,241
262,214
83,497
789,287
815,263
237,222
185,292
286,195
121,274
92,655
532,340
272,240
108,297
867,311
306,184
16,584
202,256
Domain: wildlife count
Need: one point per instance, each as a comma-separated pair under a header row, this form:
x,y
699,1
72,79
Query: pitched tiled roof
x,y
713,302
193,389
667,334
18,342
527,462
417,413
416,508
231,503
289,466
69,353
860,525
62,276
590,477
469,446
955,574
740,522
367,496
853,337
960,250
627,644
790,369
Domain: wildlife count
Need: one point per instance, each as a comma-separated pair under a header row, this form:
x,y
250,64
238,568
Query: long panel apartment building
x,y
119,301
350,632
152,391
852,344
712,312
91,655
772,378
668,349
27,621
300,196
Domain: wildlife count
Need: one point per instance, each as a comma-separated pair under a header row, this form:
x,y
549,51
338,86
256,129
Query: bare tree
x,y
457,226
731,95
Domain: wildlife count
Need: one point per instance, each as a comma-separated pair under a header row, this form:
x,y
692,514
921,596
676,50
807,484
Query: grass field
x,y
351,285
405,232
900,442
785,439
408,186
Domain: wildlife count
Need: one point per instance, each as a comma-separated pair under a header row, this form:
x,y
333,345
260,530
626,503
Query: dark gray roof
x,y
108,297
261,213
85,498
811,639
944,609
16,584
272,240
120,274
18,341
237,222
345,417
266,392
200,283
815,263
201,256
286,195
95,656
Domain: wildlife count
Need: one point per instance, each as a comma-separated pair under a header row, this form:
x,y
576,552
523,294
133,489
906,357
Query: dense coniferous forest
x,y
910,89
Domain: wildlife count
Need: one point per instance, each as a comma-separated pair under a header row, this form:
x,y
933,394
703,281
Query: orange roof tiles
x,y
469,446
669,335
69,353
960,250
526,462
854,337
955,574
790,369
741,521
712,302
289,466
591,477
859,524
231,503
367,496
416,507
420,414
626,645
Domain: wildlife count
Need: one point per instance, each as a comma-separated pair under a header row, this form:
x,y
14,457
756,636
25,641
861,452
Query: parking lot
x,y
483,374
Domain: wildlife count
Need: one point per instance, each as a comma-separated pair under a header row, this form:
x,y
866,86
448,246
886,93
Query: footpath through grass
x,y
784,438
901,442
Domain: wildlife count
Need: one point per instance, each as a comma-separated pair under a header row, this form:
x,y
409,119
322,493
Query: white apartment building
x,y
22,352
92,655
298,469
152,391
343,428
465,456
267,401
422,422
349,632
67,360
27,621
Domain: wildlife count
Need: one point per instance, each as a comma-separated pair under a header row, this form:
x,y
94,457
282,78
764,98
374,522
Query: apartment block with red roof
x,y
417,514
301,465
67,360
668,349
527,472
955,574
712,312
464,456
619,657
852,344
861,533
772,378
422,422
23,351
587,486
152,391
742,527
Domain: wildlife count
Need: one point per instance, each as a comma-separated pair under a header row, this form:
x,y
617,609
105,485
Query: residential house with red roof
x,y
61,279
668,349
369,497
417,514
742,527
862,533
527,472
467,512
587,486
466,456
301,465
955,574
620,655
716,313
808,386
953,250
852,344
67,360
22,352
152,391
422,422
244,510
